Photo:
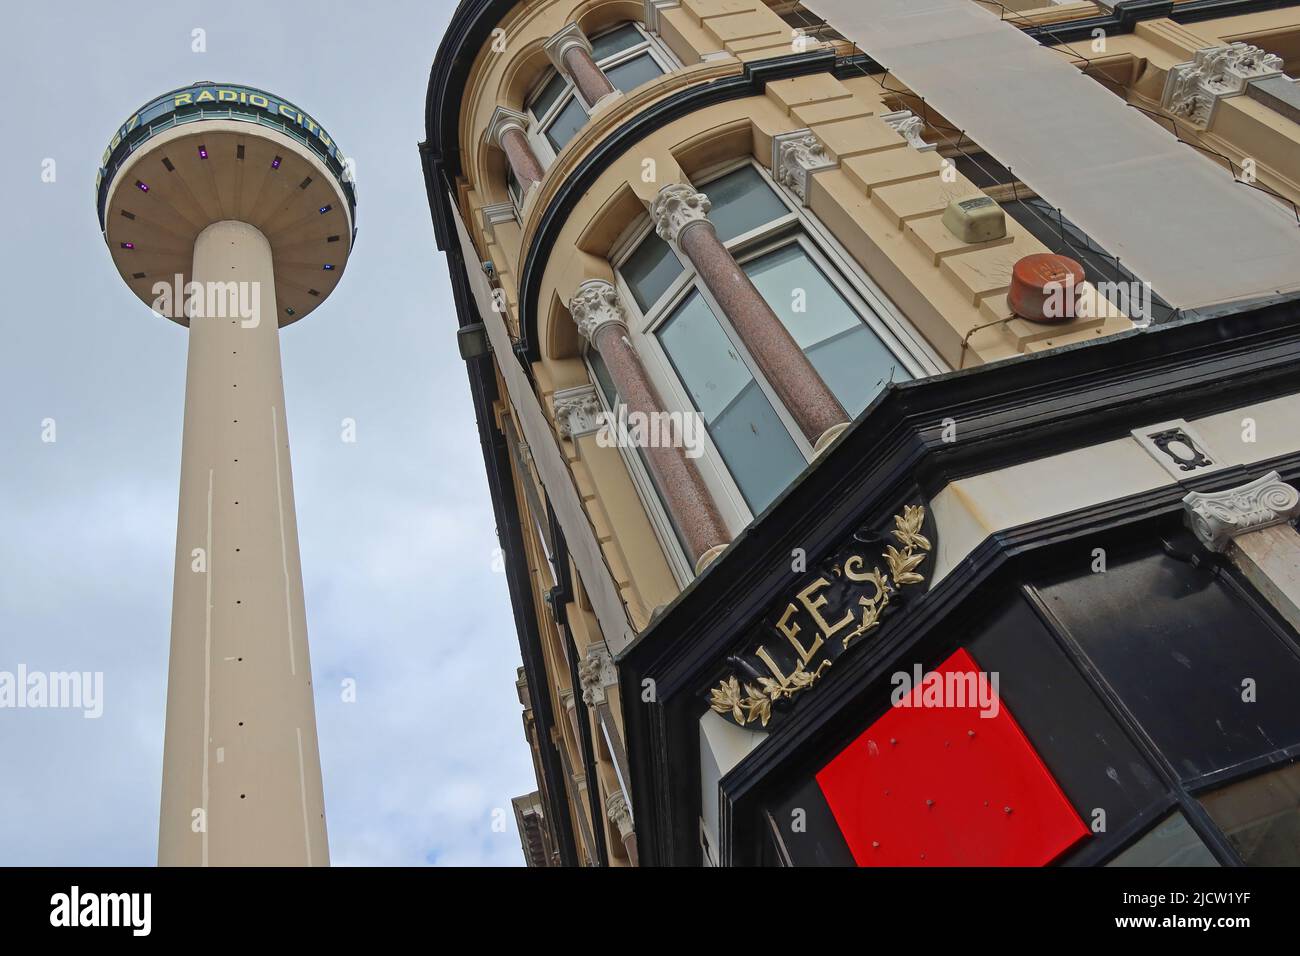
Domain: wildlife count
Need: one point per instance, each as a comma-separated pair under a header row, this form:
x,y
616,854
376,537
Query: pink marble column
x,y
680,216
570,51
506,130
602,320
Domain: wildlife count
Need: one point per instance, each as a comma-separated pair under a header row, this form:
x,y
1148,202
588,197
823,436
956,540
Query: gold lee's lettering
x,y
824,618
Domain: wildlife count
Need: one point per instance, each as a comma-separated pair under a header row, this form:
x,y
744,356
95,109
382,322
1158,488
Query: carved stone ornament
x,y
677,206
596,672
1218,517
595,305
577,411
795,157
911,127
1193,89
830,611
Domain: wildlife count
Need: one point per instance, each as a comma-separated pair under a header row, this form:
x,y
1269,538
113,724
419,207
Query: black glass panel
x,y
1196,664
1093,760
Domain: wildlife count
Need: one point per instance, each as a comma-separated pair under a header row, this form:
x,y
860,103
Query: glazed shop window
x,y
850,333
626,54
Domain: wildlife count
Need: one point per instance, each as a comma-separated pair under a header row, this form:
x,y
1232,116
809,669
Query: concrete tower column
x,y
602,320
241,768
680,215
233,226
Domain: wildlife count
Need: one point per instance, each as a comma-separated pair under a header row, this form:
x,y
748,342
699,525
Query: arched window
x,y
852,335
626,54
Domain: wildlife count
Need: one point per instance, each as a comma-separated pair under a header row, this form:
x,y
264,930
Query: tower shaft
x,y
241,766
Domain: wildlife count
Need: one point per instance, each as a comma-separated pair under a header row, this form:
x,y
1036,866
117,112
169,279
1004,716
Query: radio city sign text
x,y
218,96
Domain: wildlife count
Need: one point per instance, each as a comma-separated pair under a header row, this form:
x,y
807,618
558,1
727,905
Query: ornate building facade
x,y
893,438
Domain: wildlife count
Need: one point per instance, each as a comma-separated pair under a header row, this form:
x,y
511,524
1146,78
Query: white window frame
x,y
797,225
537,138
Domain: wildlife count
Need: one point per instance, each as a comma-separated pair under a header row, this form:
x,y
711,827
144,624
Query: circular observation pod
x,y
216,152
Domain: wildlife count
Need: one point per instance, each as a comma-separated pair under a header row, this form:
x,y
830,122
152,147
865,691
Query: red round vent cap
x,y
1045,287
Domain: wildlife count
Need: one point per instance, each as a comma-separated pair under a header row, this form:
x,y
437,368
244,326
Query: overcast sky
x,y
396,531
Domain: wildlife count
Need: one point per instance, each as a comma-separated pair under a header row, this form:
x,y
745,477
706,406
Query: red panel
x,y
991,800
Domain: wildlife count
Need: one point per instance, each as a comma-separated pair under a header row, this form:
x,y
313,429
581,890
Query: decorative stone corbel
x,y
795,157
495,214
1193,89
577,411
1219,517
1252,525
911,127
595,673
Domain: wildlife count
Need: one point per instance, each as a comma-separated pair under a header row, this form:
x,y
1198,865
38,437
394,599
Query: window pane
x,y
844,351
615,41
547,95
741,202
572,117
512,184
759,452
631,74
1261,816
650,270
1171,842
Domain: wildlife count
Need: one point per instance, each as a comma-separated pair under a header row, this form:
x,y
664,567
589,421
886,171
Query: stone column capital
x,y
795,157
619,813
676,208
503,120
595,305
568,37
1218,517
595,673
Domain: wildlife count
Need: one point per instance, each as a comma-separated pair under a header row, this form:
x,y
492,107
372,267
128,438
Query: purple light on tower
x,y
128,245
275,163
203,152
144,187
